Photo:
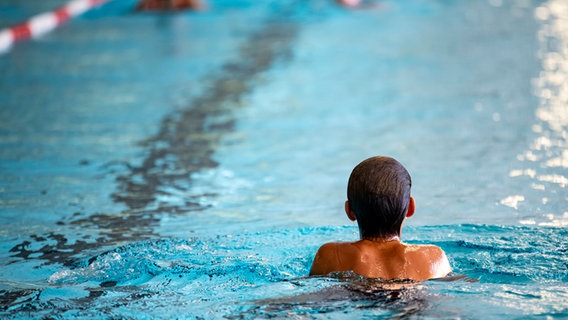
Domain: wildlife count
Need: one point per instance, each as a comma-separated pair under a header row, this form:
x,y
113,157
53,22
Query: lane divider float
x,y
44,22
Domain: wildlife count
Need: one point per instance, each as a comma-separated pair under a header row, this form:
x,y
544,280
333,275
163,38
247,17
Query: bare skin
x,y
382,258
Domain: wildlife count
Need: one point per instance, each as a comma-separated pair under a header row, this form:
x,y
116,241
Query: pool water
x,y
189,165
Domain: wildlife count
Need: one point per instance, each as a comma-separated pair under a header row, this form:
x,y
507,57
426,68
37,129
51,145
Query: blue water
x,y
189,165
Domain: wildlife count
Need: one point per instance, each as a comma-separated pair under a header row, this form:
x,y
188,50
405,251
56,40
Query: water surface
x,y
199,159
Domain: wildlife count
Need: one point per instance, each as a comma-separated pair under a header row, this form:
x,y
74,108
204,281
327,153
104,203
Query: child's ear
x,y
411,207
350,213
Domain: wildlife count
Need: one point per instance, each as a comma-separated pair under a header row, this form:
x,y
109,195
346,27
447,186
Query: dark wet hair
x,y
379,193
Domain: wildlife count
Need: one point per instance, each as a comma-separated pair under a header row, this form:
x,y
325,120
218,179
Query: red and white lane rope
x,y
45,22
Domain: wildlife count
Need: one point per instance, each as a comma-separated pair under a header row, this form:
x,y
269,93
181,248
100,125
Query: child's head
x,y
378,195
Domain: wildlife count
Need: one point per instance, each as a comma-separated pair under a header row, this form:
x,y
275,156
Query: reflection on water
x,y
547,158
347,292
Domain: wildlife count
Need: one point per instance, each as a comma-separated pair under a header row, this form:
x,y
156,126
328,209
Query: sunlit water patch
x,y
543,166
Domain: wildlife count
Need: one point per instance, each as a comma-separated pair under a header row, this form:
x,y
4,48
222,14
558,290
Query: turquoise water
x,y
520,271
189,165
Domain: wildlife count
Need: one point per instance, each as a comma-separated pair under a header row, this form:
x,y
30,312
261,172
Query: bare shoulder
x,y
435,257
329,258
429,249
330,245
430,252
335,247
324,259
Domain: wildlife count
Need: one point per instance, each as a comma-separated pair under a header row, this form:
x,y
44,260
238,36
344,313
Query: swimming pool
x,y
189,165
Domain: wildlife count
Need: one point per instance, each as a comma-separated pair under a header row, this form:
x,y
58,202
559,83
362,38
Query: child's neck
x,y
382,239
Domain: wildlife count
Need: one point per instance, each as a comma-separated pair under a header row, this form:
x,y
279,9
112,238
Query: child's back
x,y
379,200
382,259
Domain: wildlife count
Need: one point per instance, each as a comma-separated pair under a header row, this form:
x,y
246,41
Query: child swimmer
x,y
378,198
